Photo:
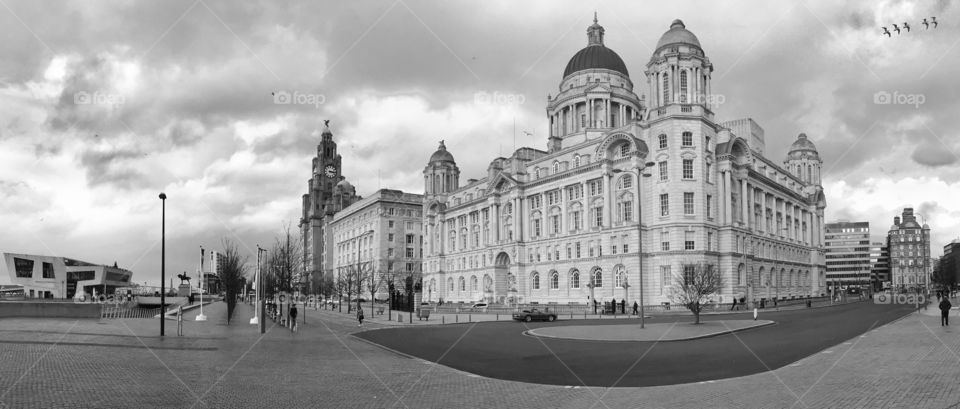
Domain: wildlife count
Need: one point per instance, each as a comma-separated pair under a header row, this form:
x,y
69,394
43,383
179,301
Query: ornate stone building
x,y
576,222
909,245
327,193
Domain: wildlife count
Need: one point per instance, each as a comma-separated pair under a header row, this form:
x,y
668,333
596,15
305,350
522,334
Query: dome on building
x,y
344,185
595,55
441,155
677,34
802,146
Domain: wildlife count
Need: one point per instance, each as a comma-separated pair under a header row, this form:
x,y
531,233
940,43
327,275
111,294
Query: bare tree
x,y
232,274
695,286
286,262
941,278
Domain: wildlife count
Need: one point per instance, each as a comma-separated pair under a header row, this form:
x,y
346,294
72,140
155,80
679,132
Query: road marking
x,y
828,352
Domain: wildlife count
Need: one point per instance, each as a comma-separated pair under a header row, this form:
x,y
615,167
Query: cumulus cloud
x,y
181,100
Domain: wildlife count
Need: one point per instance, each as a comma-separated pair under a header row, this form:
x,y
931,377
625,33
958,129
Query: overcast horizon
x,y
104,106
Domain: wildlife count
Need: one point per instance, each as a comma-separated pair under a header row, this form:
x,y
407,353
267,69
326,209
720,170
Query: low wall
x,y
48,310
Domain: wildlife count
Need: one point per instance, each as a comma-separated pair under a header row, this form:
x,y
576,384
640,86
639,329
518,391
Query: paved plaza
x,y
912,362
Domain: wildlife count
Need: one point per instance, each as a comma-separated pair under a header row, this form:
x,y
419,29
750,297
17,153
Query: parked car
x,y
480,306
534,314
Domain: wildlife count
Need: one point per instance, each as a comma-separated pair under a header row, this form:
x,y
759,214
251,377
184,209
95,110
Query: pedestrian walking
x,y
360,316
293,317
635,307
945,312
623,306
733,305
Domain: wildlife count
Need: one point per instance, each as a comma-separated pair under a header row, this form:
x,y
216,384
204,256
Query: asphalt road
x,y
500,350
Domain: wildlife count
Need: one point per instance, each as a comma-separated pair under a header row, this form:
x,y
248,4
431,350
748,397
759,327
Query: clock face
x,y
330,171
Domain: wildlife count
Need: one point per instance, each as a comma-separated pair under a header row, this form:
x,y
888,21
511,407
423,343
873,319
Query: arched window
x,y
554,281
576,161
621,277
683,87
450,283
463,284
556,167
598,278
473,284
662,141
536,281
575,279
666,88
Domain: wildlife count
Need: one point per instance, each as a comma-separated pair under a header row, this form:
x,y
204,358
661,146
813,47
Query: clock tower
x,y
327,193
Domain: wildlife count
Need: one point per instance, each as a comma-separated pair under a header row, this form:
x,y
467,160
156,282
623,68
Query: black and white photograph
x,y
479,204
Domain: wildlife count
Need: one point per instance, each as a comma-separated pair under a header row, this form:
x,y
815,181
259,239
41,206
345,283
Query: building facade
x,y
576,222
950,261
847,254
381,237
909,245
60,277
880,265
327,193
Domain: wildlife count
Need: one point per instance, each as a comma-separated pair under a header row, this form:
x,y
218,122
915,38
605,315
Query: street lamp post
x,y
201,317
593,300
163,260
640,176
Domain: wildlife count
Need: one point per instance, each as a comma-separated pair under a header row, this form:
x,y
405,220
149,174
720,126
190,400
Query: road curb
x,y
712,334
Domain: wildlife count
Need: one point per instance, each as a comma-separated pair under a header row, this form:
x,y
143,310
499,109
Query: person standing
x,y
945,312
635,307
293,317
360,317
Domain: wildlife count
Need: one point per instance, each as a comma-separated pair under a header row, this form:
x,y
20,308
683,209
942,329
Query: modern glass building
x,y
848,254
61,277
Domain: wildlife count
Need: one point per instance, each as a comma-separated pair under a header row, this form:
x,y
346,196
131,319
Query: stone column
x,y
607,200
496,222
517,220
728,198
745,218
762,223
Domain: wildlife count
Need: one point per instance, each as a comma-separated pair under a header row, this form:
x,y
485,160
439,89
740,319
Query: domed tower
x,y
595,93
679,71
441,175
803,161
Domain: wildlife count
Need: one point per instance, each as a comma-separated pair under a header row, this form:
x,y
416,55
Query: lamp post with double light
x,y
163,260
640,176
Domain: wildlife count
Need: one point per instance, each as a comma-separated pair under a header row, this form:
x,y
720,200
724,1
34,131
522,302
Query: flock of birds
x,y
906,26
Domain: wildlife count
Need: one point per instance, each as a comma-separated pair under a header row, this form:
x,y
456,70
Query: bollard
x,y
456,319
443,319
469,317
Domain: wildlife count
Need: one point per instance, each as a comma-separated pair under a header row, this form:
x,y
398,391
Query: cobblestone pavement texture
x,y
650,332
912,363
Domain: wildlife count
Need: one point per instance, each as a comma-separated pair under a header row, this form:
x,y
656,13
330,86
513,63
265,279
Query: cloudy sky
x,y
104,105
